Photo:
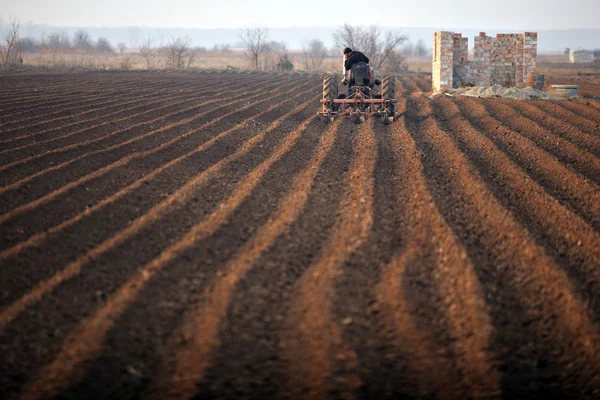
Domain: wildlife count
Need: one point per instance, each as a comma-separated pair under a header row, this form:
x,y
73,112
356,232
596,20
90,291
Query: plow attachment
x,y
362,101
360,108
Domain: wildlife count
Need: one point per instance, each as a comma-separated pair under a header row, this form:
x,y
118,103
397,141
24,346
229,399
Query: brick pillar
x,y
460,75
443,60
460,49
529,53
482,57
520,76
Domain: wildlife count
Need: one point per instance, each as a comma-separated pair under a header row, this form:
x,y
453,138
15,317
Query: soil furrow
x,y
221,241
421,83
50,102
118,160
102,81
130,137
543,326
409,84
576,193
26,82
28,239
89,340
564,235
30,144
553,108
318,335
31,137
427,83
595,104
79,87
36,87
559,127
400,88
52,99
84,101
253,221
161,83
582,109
48,80
80,204
89,105
567,153
255,321
167,86
202,320
430,278
80,135
389,345
7,314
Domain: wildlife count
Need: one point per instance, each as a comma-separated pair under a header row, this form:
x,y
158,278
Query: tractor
x,y
366,96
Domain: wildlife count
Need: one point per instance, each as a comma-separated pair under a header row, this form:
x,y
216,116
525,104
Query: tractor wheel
x,y
388,92
330,89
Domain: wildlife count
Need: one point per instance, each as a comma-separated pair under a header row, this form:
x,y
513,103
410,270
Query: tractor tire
x,y
330,89
388,92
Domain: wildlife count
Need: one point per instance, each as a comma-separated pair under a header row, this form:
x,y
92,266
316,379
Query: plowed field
x,y
171,236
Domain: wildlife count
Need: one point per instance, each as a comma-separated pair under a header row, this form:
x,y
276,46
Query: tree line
x,y
387,51
13,46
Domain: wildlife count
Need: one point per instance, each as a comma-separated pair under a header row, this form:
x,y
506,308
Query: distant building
x,y
505,60
581,56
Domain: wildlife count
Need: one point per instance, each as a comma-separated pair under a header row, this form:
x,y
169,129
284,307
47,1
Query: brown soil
x,y
206,236
589,84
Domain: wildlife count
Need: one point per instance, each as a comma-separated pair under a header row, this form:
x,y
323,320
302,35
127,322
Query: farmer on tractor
x,y
357,72
366,96
352,57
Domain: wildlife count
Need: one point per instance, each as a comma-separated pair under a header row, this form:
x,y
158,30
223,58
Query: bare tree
x,y
348,36
28,45
392,42
179,54
57,41
277,57
81,40
314,54
103,46
420,49
369,41
395,64
255,39
11,54
147,51
122,47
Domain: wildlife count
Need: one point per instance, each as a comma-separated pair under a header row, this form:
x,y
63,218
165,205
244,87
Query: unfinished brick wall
x,y
505,60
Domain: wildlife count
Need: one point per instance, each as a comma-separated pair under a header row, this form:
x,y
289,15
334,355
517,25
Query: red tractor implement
x,y
365,97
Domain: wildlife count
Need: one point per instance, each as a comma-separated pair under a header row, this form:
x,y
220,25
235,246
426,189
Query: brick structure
x,y
581,56
505,60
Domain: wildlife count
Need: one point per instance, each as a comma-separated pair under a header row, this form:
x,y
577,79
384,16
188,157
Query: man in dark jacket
x,y
353,57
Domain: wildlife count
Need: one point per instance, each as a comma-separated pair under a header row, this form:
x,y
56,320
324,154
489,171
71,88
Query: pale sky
x,y
500,14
